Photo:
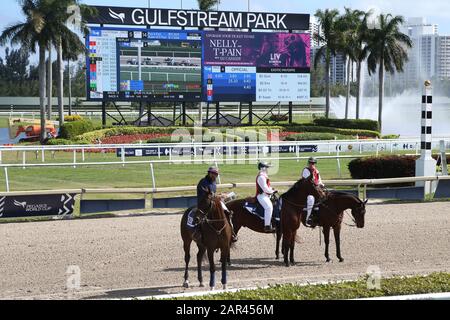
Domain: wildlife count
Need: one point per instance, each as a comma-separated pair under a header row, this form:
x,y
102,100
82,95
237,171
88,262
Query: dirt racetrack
x,y
138,256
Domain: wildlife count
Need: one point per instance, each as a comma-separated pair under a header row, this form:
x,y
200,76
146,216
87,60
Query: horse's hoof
x,y
186,284
211,288
292,263
224,287
286,264
328,260
201,285
341,259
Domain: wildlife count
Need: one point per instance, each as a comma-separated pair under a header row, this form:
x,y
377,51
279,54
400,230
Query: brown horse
x,y
215,231
331,215
296,196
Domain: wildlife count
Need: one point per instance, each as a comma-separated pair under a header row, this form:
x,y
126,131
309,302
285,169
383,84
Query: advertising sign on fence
x,y
36,205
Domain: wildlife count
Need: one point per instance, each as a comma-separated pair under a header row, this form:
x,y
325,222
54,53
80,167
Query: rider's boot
x,y
269,229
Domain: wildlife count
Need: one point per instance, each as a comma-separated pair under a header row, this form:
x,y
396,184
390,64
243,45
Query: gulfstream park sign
x,y
200,19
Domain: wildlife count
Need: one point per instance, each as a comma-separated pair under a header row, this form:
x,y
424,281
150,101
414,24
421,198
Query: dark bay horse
x,y
296,195
331,215
215,233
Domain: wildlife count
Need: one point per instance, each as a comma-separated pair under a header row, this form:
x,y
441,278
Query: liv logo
x,y
117,16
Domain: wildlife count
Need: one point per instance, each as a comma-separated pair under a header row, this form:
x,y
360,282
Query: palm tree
x,y
206,5
329,37
348,23
31,34
360,53
387,47
66,41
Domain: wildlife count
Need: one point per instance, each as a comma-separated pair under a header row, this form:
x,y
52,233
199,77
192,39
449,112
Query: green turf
x,y
396,286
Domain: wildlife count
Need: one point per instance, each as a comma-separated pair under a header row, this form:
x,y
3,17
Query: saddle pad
x,y
191,219
257,210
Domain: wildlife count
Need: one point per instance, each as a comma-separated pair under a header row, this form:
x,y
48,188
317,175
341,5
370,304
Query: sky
x,y
435,11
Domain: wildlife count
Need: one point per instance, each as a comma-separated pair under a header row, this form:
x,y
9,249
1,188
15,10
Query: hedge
x,y
362,124
383,167
316,136
240,132
347,132
70,130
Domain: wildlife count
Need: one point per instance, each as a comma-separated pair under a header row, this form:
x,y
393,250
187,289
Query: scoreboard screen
x,y
267,67
194,66
133,65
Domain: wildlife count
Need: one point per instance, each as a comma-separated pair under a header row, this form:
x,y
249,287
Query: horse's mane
x,y
293,188
345,194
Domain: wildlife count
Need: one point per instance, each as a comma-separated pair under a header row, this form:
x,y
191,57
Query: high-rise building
x,y
443,57
314,28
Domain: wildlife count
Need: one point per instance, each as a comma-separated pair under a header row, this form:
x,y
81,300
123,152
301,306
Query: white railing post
x,y
74,158
6,179
1,159
122,155
43,155
153,177
83,158
24,156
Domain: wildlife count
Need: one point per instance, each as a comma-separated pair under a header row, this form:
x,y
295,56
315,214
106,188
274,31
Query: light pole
x,y
248,5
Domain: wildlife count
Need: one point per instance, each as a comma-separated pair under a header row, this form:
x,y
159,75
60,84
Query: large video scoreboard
x,y
193,66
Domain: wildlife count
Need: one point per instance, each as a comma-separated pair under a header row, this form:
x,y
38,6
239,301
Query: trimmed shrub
x,y
362,124
58,142
70,130
383,167
316,136
391,136
348,132
73,118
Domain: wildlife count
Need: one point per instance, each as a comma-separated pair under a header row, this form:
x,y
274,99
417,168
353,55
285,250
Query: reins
x,y
210,222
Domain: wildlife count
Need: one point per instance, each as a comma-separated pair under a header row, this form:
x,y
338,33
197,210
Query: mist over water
x,y
401,114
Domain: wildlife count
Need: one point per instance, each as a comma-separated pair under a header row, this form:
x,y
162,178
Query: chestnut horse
x,y
215,231
296,195
331,215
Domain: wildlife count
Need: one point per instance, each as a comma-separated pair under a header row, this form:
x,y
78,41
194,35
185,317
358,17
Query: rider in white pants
x,y
310,200
263,193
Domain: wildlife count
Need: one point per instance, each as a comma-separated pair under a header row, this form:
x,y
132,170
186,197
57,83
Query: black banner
x,y
37,205
199,19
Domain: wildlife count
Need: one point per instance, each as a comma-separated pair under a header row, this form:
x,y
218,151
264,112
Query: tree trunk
x,y
50,84
70,89
381,95
327,86
358,89
42,82
60,84
347,98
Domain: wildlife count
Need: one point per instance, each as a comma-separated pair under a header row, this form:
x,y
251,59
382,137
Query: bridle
x,y
209,222
320,202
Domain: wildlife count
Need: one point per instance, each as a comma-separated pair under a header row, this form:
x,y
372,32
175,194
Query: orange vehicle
x,y
33,132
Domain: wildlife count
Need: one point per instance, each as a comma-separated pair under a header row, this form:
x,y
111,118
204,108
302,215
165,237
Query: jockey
x,y
263,193
209,183
307,172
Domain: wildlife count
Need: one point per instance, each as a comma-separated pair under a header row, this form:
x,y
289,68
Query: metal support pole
x,y
290,112
149,114
217,113
0,156
183,106
6,179
250,113
443,158
104,114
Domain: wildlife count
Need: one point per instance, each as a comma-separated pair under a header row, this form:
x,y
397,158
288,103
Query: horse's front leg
x,y
326,235
337,238
225,254
200,255
212,269
291,255
187,258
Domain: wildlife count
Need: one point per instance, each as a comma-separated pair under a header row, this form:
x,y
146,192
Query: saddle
x,y
253,206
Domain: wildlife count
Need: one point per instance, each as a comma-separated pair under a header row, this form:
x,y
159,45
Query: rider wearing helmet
x,y
311,169
263,193
208,183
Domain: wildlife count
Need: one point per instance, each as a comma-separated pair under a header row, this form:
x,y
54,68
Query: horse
x,y
330,215
296,195
215,231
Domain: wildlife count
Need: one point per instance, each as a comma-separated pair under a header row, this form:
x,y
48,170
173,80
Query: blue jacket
x,y
205,183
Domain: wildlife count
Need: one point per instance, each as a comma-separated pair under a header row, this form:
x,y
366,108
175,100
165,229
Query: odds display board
x,y
194,66
240,66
